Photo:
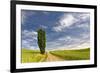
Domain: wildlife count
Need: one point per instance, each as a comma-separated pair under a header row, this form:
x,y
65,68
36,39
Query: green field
x,y
29,56
32,56
82,54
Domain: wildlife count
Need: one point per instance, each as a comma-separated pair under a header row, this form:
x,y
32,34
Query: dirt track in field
x,y
51,58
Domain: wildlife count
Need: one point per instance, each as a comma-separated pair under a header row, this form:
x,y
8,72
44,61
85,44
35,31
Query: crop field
x,y
82,54
29,56
32,56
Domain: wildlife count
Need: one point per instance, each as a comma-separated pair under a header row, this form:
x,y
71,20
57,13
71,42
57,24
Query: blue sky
x,y
64,30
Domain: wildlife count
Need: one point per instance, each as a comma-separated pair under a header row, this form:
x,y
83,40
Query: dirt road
x,y
51,58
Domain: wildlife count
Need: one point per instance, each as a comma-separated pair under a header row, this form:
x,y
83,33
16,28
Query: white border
x,y
20,65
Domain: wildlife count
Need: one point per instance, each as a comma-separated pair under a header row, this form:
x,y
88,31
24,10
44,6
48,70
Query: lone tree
x,y
41,40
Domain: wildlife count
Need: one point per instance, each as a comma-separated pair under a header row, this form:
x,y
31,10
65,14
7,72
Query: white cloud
x,y
69,42
28,39
84,16
86,25
83,45
43,26
28,45
65,21
45,12
68,20
76,46
66,38
29,34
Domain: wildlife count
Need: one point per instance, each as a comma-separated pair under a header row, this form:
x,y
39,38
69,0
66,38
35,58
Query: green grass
x,y
29,56
82,54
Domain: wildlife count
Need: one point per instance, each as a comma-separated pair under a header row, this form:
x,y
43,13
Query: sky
x,y
64,30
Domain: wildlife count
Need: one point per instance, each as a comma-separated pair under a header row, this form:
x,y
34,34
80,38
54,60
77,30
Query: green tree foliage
x,y
41,40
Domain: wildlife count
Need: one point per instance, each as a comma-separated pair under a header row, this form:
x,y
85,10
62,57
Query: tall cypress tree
x,y
41,40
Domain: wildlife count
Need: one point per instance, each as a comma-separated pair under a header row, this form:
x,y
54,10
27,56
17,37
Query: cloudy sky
x,y
64,30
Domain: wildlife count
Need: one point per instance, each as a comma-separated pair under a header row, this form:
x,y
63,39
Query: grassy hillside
x,y
82,54
32,56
